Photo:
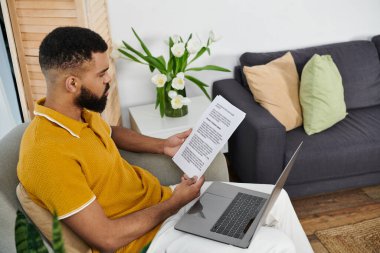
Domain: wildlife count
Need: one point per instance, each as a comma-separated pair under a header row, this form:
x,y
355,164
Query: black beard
x,y
90,101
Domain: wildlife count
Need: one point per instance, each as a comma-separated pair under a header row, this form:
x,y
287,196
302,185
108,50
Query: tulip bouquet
x,y
172,76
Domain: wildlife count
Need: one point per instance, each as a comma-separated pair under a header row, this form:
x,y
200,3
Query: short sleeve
x,y
55,180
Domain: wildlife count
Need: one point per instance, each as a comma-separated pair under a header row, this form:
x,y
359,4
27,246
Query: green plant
x,y
28,238
170,81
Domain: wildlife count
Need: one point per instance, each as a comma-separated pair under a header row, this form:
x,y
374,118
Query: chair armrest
x,y
168,172
257,147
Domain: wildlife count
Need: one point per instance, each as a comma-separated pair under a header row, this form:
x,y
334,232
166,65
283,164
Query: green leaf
x,y
191,35
161,92
127,46
209,67
162,60
157,98
146,50
27,237
168,86
130,56
196,81
58,245
170,65
200,52
155,63
177,65
171,43
200,84
208,51
184,61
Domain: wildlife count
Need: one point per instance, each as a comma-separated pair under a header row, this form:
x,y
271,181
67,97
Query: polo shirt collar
x,y
74,127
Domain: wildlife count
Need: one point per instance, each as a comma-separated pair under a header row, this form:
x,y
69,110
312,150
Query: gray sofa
x,y
159,165
346,155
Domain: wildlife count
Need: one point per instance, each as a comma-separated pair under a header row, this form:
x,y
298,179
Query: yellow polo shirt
x,y
65,165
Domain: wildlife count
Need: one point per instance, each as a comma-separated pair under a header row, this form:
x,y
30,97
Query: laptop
x,y
231,214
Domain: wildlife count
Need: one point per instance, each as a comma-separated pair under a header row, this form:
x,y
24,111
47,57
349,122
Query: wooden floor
x,y
336,209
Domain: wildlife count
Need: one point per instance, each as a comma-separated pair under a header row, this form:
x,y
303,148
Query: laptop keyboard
x,y
239,214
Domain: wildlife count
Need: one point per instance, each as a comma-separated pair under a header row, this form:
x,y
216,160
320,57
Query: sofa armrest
x,y
168,172
9,153
257,146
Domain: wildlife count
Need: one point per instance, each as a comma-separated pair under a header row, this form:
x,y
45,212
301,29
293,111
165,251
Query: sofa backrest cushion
x,y
275,87
321,94
358,63
376,41
238,74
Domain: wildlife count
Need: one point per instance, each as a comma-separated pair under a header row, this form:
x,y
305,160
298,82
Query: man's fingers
x,y
188,181
184,177
184,134
200,182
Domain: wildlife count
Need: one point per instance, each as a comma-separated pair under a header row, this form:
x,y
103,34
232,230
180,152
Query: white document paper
x,y
209,135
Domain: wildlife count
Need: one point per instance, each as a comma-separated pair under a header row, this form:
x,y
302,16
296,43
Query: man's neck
x,y
66,108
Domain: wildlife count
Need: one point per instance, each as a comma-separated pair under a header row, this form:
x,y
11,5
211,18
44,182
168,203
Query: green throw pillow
x,y
321,94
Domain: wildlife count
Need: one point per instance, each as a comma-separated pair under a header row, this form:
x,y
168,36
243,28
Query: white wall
x,y
246,25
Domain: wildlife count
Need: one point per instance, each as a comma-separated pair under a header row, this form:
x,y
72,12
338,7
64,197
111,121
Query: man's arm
x,y
107,235
132,141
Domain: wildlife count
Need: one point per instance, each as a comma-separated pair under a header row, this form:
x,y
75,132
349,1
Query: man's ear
x,y
72,84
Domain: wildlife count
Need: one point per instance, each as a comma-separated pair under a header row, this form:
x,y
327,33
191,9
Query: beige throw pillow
x,y
44,221
275,86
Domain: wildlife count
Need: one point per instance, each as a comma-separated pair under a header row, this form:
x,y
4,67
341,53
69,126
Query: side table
x,y
145,119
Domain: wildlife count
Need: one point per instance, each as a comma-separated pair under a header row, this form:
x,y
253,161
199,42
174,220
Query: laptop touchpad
x,y
209,206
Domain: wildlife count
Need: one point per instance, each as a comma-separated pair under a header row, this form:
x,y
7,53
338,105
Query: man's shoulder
x,y
42,147
41,132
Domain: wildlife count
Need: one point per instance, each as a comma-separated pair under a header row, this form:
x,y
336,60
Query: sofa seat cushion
x,y
351,147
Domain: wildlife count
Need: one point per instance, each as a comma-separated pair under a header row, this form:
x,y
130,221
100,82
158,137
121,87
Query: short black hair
x,y
68,47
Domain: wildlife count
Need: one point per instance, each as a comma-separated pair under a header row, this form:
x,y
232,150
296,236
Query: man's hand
x,y
187,190
130,140
173,143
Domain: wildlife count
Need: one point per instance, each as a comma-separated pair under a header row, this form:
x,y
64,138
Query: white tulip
x,y
180,75
178,49
159,80
176,38
213,37
186,100
178,83
193,45
177,102
172,94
